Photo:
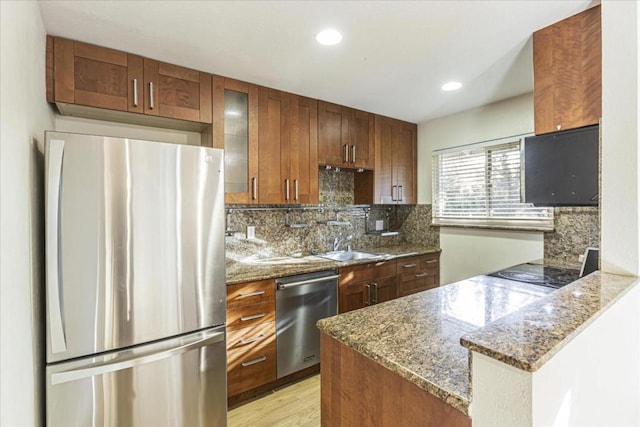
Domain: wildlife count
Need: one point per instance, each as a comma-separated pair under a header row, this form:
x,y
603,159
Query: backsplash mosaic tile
x,y
301,230
576,229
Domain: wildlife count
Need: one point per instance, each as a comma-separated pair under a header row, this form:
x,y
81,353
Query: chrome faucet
x,y
339,241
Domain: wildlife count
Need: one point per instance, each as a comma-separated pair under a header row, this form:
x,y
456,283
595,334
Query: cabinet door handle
x,y
421,275
432,261
394,189
409,265
135,92
400,192
353,154
295,189
254,184
254,339
375,293
346,153
251,294
254,361
368,302
252,317
286,189
151,103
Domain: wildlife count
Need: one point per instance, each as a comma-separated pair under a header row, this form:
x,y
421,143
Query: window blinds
x,y
480,185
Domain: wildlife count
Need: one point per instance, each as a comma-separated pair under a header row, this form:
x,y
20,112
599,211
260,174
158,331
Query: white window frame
x,y
452,205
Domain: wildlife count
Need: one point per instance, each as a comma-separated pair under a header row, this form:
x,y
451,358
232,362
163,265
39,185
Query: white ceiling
x,y
394,57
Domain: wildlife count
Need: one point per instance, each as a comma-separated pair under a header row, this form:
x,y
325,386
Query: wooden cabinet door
x,y
567,67
96,76
384,192
303,149
353,297
273,146
384,289
236,131
404,162
176,92
361,139
333,134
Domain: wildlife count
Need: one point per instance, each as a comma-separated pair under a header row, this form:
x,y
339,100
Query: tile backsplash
x,y
576,229
280,231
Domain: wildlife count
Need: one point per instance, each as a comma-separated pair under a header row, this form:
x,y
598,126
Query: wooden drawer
x,y
355,274
250,293
383,269
251,338
250,369
418,285
408,267
250,315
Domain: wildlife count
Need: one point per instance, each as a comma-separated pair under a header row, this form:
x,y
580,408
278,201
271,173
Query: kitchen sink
x,y
349,255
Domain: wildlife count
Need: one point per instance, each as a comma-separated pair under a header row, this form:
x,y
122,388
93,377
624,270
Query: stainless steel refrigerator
x,y
135,284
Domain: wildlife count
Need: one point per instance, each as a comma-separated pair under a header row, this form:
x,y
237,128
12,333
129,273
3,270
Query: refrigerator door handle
x,y
54,181
118,365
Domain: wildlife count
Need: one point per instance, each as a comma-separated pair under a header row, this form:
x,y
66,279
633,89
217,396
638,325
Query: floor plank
x,y
297,405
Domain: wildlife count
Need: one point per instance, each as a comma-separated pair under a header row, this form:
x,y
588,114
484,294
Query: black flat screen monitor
x,y
561,168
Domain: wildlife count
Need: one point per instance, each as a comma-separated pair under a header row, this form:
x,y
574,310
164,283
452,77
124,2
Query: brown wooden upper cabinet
x,y
95,76
568,73
395,161
287,148
235,128
345,136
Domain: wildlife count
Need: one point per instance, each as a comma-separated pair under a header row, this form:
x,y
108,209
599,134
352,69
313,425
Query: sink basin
x,y
349,255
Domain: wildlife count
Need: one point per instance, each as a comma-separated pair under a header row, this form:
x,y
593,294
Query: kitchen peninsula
x,y
406,362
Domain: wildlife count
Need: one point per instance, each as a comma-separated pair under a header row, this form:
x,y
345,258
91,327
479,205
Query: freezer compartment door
x,y
178,382
134,242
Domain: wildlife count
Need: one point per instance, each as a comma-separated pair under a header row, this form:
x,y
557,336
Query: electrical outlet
x,y
379,225
581,258
251,232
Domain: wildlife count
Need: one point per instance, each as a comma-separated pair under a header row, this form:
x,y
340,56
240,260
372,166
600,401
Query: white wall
x,y
469,252
25,115
593,381
620,201
123,130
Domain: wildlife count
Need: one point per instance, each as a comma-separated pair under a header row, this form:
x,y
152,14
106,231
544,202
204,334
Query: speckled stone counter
x,y
256,268
418,336
528,338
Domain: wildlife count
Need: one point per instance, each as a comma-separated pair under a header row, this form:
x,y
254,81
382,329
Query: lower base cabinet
x,y
418,273
251,336
368,284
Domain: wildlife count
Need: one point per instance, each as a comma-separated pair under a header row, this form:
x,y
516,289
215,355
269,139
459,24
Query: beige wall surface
x,y
469,252
25,115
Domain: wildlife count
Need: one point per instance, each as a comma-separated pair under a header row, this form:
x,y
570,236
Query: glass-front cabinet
x,y
237,133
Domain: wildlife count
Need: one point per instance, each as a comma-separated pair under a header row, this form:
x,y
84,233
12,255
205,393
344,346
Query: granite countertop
x,y
254,268
423,337
528,338
418,336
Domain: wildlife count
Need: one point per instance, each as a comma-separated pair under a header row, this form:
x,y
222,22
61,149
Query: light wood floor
x,y
297,405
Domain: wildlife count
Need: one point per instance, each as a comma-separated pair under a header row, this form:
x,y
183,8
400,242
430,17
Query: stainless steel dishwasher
x,y
301,301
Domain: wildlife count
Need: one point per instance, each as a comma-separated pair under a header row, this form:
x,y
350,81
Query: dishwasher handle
x,y
282,286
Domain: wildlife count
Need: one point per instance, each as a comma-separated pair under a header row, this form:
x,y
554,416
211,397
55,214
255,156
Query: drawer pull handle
x,y
254,361
249,341
251,294
432,261
409,265
252,317
422,274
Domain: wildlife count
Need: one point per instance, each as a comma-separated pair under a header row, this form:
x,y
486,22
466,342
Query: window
x,y
479,185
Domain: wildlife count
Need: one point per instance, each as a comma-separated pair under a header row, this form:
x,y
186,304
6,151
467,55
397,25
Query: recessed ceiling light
x,y
449,86
328,37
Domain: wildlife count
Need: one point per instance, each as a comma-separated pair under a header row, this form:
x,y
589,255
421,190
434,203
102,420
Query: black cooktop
x,y
537,274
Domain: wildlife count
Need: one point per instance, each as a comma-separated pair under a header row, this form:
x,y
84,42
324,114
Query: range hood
x,y
561,168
